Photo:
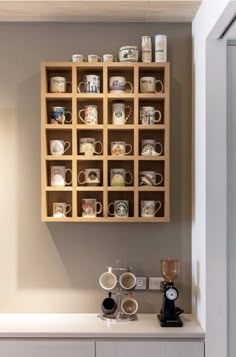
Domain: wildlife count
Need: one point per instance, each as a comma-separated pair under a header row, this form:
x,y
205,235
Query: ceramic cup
x,y
59,84
91,207
109,305
129,306
150,178
90,84
90,114
151,148
151,85
94,58
78,58
88,146
90,177
61,209
121,208
148,116
127,281
59,147
58,176
120,113
150,208
108,57
118,177
60,115
108,280
119,84
118,148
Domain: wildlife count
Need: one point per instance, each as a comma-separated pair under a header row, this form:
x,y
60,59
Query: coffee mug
x,y
90,114
118,148
59,147
118,84
109,305
92,177
58,176
88,145
58,115
108,280
149,85
149,148
91,207
90,83
108,57
61,209
149,178
121,208
78,58
150,208
119,115
118,177
127,281
58,84
129,306
94,58
147,116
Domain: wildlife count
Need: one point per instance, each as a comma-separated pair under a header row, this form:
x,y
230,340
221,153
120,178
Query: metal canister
x,y
160,48
146,49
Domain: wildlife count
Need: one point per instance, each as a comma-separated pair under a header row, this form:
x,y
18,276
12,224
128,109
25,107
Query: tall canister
x,y
146,49
160,48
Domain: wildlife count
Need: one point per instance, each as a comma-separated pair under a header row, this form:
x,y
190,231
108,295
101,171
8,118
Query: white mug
x,y
58,176
108,57
119,116
61,209
129,306
150,208
94,58
149,85
78,58
108,280
59,147
150,178
90,114
118,177
121,208
91,207
90,83
118,148
88,145
150,148
147,116
92,177
58,84
118,84
127,281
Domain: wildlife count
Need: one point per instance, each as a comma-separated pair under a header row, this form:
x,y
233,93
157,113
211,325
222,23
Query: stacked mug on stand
x,y
119,304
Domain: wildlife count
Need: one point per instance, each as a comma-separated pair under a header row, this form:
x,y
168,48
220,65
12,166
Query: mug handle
x,y
98,152
131,177
79,115
131,87
79,85
68,208
161,148
68,121
161,86
109,206
68,83
129,113
131,148
158,119
70,182
160,181
159,206
66,146
98,210
79,174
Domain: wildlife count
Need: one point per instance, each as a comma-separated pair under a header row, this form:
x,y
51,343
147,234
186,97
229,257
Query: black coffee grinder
x,y
169,314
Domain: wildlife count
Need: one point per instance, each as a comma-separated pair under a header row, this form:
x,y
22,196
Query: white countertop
x,y
91,326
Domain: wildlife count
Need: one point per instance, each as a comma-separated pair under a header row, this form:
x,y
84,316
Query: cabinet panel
x,y
44,348
150,349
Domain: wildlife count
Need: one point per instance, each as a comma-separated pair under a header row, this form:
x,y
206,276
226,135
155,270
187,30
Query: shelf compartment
x,y
152,196
89,164
65,135
82,103
122,195
58,197
92,194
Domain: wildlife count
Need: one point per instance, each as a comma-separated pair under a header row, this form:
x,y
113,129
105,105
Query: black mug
x,y
108,305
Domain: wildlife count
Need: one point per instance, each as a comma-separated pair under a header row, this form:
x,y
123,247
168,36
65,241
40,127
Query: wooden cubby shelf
x,y
67,175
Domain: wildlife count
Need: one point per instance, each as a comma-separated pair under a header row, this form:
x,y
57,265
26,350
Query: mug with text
x,y
151,85
148,116
119,84
59,84
118,148
120,208
90,84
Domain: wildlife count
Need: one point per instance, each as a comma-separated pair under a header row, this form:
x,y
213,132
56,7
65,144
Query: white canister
x,y
146,49
160,48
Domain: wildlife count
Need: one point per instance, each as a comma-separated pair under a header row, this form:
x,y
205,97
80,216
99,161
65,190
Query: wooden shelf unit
x,y
132,132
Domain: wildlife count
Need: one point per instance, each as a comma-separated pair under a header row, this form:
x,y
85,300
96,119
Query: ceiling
x,y
99,11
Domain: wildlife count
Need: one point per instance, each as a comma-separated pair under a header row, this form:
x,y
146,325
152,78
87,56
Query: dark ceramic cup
x,y
108,305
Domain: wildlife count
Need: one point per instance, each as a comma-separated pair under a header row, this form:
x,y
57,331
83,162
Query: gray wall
x,y
55,267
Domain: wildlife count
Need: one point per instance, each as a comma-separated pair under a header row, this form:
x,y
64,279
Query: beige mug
x,y
118,84
61,209
118,177
129,306
88,146
118,148
150,208
151,85
59,84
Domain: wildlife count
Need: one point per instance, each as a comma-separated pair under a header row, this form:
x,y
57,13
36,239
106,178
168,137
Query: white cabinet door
x,y
150,349
46,348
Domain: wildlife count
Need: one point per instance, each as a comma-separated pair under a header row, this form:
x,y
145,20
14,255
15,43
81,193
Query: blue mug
x,y
58,115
